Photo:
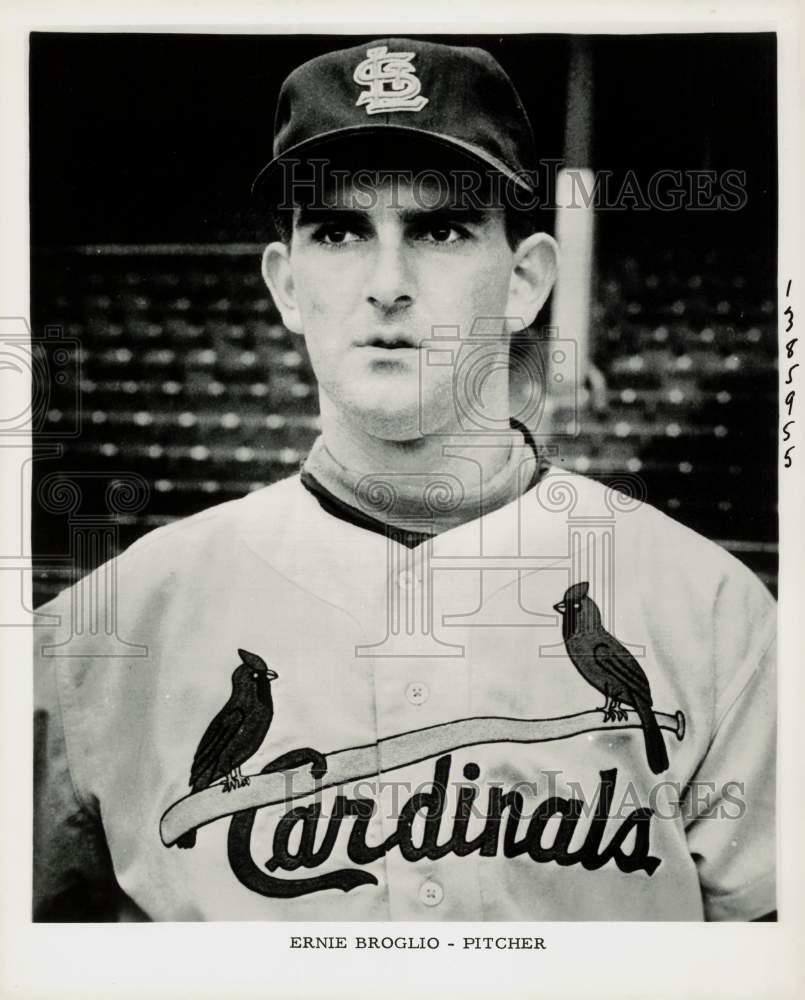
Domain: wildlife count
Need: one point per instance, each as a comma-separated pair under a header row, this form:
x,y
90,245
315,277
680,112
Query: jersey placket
x,y
421,682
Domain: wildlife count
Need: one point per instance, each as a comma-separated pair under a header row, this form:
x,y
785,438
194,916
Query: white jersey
x,y
428,748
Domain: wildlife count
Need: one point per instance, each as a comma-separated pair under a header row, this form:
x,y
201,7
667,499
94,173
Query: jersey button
x,y
431,893
417,692
407,579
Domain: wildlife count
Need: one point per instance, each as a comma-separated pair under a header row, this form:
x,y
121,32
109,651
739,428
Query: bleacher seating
x,y
182,372
688,350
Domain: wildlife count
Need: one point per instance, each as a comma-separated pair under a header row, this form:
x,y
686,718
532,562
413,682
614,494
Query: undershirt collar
x,y
411,512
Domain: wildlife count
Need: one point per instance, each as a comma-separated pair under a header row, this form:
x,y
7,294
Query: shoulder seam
x,y
68,752
751,673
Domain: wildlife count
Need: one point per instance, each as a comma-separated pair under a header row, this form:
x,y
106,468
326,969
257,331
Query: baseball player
x,y
430,676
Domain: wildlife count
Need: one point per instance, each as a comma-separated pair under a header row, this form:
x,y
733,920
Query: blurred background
x,y
172,377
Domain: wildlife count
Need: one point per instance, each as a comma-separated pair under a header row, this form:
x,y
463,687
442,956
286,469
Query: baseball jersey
x,y
422,745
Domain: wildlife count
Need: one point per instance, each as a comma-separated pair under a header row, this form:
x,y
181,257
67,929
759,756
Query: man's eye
x,y
443,233
335,235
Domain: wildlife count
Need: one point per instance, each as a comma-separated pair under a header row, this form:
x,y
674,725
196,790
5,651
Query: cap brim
x,y
263,182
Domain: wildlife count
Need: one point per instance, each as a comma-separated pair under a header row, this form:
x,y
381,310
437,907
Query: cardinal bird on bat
x,y
236,732
608,665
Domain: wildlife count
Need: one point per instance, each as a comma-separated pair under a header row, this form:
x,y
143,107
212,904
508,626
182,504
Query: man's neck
x,y
423,489
437,454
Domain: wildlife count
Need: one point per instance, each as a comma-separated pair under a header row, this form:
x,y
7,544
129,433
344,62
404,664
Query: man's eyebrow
x,y
315,215
467,214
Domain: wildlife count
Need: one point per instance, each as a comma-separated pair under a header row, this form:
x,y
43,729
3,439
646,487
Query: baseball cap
x,y
456,97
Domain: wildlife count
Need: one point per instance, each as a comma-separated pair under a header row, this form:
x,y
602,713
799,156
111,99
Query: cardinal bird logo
x,y
237,731
608,666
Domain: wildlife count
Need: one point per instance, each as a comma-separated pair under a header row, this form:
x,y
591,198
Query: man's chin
x,y
394,415
390,424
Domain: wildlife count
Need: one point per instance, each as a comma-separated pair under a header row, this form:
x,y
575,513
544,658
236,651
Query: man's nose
x,y
391,282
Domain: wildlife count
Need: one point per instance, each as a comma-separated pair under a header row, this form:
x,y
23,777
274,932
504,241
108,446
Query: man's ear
x,y
276,269
536,262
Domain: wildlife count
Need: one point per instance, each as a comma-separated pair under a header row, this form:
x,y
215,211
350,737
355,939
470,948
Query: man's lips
x,y
389,342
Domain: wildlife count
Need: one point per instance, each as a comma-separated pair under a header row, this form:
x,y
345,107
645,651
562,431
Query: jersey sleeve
x,y
729,805
73,878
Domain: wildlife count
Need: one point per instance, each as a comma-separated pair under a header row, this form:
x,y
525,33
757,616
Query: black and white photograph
x,y
409,415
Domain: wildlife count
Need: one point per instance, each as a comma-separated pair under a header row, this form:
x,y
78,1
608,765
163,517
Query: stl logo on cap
x,y
393,84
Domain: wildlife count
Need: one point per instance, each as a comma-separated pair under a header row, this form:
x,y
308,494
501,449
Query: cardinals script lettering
x,y
505,819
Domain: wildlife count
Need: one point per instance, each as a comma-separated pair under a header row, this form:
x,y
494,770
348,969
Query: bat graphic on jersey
x,y
236,732
608,665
